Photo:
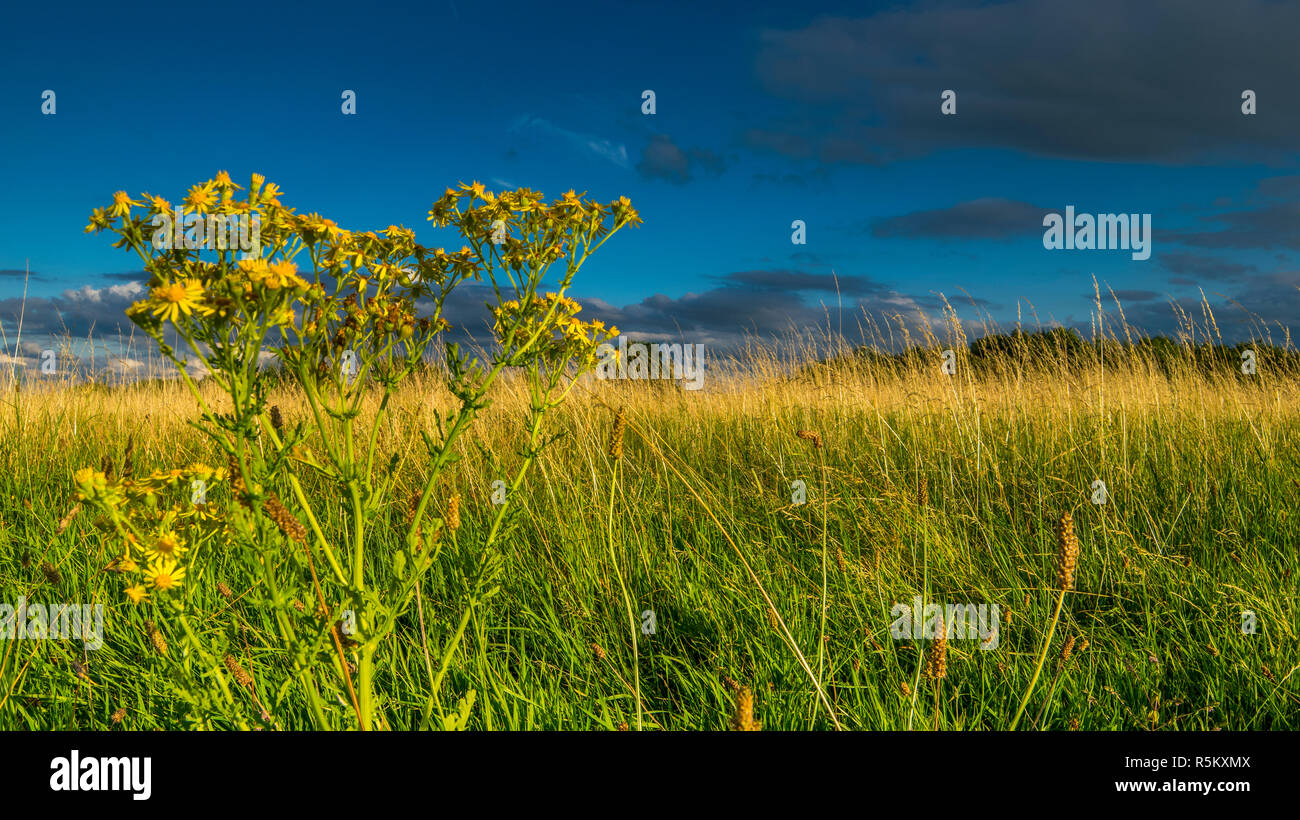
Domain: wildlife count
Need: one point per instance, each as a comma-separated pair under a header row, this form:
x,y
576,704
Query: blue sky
x,y
766,113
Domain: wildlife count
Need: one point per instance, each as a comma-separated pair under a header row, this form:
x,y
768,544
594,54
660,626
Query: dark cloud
x,y
22,274
1158,81
1124,296
987,218
663,159
1270,299
788,280
744,304
1246,309
1191,268
129,276
1283,186
1272,226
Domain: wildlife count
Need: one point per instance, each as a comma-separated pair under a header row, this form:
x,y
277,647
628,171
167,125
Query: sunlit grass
x,y
1200,465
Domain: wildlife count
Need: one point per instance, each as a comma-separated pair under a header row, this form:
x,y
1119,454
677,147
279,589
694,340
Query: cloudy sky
x,y
766,113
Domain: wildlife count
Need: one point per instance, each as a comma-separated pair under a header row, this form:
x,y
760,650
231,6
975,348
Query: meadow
x,y
767,613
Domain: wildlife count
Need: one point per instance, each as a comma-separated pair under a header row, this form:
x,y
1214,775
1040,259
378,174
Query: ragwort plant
x,y
359,323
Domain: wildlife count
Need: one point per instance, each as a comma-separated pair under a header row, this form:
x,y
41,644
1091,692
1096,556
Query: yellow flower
x,y
122,203
136,593
165,575
127,564
271,193
159,204
201,198
223,181
168,547
99,220
170,301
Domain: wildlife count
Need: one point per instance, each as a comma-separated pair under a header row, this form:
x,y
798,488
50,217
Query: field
x,y
765,611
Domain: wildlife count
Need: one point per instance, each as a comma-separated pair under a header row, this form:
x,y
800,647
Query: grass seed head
x,y
1067,552
936,667
1068,649
743,719
156,637
67,519
811,435
285,520
237,483
239,673
51,573
616,435
453,512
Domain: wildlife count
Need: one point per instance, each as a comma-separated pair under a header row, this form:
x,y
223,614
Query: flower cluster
x,y
550,326
156,535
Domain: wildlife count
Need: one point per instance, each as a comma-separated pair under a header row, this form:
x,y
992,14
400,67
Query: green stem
x,y
1038,668
627,599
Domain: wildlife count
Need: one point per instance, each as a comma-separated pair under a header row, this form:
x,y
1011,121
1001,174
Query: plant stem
x,y
1038,668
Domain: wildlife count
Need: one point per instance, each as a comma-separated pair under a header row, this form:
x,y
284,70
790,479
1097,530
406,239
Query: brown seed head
x,y
1068,649
277,420
453,512
237,483
240,674
811,435
937,663
67,519
616,435
743,720
52,573
1067,552
285,520
156,636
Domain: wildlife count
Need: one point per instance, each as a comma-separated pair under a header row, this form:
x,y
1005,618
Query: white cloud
x,y
606,149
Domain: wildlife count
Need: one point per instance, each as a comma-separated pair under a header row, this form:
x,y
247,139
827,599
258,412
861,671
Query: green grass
x,y
1203,475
